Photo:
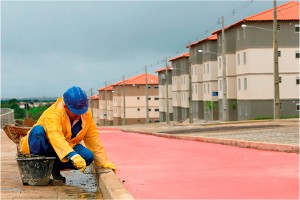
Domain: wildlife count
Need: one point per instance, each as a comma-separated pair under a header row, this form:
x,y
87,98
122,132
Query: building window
x,y
208,90
138,109
297,80
155,86
238,34
220,63
245,83
138,87
220,85
149,109
196,89
297,28
204,87
245,57
149,98
280,106
156,110
204,68
156,98
297,54
138,98
239,84
278,27
280,79
207,68
244,33
220,40
279,53
238,59
298,107
149,86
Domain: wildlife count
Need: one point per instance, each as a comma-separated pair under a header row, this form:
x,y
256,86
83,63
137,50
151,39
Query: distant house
x,y
125,102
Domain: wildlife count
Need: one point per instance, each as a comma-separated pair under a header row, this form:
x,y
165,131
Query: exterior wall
x,y
95,110
180,88
257,38
198,109
163,96
256,101
135,104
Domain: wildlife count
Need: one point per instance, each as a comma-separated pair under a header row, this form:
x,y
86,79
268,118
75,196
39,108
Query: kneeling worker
x,y
59,131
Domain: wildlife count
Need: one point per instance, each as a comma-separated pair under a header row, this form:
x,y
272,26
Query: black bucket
x,y
35,170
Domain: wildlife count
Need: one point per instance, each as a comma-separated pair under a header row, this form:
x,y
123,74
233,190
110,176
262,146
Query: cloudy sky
x,y
49,46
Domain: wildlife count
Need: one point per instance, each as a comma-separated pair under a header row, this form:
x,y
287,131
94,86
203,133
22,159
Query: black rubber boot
x,y
58,179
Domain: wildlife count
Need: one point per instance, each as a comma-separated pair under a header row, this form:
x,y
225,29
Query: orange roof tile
x,y
187,54
95,97
212,37
164,69
140,80
285,12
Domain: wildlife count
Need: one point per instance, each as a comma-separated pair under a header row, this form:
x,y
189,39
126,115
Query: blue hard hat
x,y
76,100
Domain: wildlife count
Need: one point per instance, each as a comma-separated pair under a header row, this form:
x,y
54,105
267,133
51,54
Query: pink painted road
x,y
163,168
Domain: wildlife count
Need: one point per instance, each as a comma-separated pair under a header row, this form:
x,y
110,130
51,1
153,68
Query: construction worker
x,y
59,131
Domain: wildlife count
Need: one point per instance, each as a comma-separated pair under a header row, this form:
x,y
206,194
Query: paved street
x,y
162,168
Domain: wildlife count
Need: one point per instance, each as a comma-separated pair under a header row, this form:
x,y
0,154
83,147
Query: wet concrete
x,y
78,185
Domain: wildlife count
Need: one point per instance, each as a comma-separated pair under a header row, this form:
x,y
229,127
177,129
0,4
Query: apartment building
x,y
165,93
131,93
130,100
94,105
180,86
250,64
249,70
106,105
204,78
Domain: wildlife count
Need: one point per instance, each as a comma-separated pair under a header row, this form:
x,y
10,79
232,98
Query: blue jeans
x,y
39,145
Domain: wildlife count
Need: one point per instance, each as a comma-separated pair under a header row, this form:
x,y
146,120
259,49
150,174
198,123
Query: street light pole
x,y
124,108
147,103
167,94
191,119
105,96
276,67
225,110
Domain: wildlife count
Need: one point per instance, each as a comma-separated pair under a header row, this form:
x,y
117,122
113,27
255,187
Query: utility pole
x,y
124,108
225,109
276,67
105,96
191,120
91,101
147,103
167,94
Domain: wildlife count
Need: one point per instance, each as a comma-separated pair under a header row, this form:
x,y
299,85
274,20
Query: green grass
x,y
36,112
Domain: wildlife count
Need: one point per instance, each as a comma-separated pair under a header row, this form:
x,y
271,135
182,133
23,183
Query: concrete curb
x,y
110,186
238,143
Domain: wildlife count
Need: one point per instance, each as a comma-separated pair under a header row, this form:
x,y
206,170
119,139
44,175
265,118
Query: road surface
x,y
163,168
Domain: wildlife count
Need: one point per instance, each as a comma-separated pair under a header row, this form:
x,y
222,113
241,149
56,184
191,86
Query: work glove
x,y
110,165
79,162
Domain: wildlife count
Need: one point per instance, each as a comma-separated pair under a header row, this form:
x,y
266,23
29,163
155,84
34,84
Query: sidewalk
x,y
78,185
275,135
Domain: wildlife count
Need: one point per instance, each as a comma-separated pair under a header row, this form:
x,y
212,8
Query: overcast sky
x,y
49,46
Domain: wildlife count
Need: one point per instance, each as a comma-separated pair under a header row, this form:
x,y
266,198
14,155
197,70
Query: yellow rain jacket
x,y
56,123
